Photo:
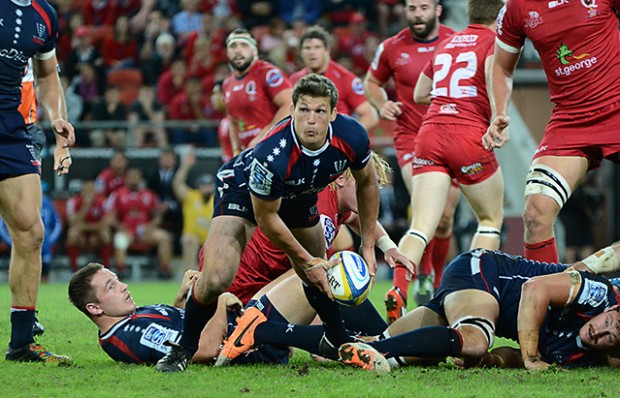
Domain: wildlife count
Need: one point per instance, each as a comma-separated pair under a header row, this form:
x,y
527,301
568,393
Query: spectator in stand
x,y
258,12
113,177
192,105
197,205
140,20
188,20
82,51
136,215
307,10
105,12
146,109
88,87
203,62
273,39
160,182
75,103
120,50
352,42
339,12
87,227
223,130
390,10
72,20
110,108
171,82
265,95
159,61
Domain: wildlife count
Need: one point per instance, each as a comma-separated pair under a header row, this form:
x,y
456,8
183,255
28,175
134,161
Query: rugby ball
x,y
349,278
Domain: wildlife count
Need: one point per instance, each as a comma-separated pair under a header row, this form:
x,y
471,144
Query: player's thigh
x,y
561,174
20,202
288,297
470,303
406,173
415,319
312,239
427,213
225,243
487,197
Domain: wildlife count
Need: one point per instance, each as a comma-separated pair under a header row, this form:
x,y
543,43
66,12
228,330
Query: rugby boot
x,y
363,356
176,360
395,305
242,339
34,352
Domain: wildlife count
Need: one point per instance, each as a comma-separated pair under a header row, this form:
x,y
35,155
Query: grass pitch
x,y
69,332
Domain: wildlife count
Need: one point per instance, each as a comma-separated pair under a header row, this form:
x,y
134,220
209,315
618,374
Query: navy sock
x,y
285,334
196,317
22,320
329,311
364,319
429,341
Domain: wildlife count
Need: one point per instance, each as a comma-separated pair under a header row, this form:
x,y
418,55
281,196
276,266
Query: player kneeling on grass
x,y
132,334
558,314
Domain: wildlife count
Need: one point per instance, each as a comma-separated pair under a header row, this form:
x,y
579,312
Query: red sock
x,y
441,247
73,253
426,264
402,279
106,254
545,251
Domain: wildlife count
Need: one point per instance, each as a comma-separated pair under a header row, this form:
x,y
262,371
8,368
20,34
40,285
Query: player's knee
x,y
536,220
544,181
216,283
444,228
478,335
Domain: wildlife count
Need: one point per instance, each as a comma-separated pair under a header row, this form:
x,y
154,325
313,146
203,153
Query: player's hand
x,y
231,301
316,274
394,256
190,158
63,129
497,134
62,160
368,253
535,364
391,110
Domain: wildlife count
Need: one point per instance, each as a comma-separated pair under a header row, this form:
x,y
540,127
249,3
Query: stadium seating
x,y
128,80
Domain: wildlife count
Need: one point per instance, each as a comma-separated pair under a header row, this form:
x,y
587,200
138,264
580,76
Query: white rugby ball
x,y
349,279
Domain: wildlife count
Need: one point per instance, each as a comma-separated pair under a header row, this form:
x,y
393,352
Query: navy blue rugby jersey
x,y
279,167
140,337
28,28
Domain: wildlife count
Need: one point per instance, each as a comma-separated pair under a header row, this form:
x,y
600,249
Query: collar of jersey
x,y
580,343
309,152
22,3
113,329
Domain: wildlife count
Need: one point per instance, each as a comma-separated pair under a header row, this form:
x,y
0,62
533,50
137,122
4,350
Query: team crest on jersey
x,y
591,6
260,178
274,78
250,88
358,86
40,29
534,20
340,165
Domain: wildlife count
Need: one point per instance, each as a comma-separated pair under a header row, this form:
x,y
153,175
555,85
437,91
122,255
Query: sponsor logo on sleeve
x,y
274,78
358,86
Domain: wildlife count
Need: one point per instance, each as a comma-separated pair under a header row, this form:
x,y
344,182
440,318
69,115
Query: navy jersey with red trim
x,y
280,167
27,29
140,337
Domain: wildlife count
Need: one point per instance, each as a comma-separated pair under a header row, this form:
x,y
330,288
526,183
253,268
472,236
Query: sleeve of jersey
x,y
266,181
47,50
355,95
428,69
510,35
380,68
595,294
361,146
276,81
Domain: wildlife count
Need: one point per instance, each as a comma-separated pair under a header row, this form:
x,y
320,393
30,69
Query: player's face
x,y
423,16
602,332
113,295
240,55
312,116
314,55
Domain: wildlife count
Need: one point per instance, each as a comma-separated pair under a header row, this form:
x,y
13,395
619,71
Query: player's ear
x,y
93,309
614,308
334,114
292,108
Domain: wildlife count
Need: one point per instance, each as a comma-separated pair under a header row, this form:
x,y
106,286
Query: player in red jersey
x,y
135,212
577,42
113,177
449,143
87,228
257,94
402,57
314,50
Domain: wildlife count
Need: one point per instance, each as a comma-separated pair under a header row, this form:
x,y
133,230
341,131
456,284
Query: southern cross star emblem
x,y
276,151
270,158
316,162
282,143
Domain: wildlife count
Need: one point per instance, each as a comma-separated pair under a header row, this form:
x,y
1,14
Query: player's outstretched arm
x,y
537,294
367,193
606,260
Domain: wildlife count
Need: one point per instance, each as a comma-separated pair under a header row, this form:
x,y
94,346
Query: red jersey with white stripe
x,y
403,58
350,87
133,208
459,93
249,99
578,43
28,106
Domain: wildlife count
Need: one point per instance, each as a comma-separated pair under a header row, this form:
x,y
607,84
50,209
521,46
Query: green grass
x,y
95,375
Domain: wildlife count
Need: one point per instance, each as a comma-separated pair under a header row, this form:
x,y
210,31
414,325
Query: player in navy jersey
x,y
29,30
558,314
275,185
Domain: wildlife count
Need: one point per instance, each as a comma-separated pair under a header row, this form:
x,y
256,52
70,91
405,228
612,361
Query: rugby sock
x,y
545,251
429,341
106,254
22,319
329,311
196,317
402,279
441,247
426,263
304,337
364,319
73,253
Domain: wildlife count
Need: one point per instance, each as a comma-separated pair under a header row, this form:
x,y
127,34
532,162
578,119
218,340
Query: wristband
x,y
604,260
312,264
384,243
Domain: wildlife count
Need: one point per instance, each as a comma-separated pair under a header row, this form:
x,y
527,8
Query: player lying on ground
x,y
559,314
